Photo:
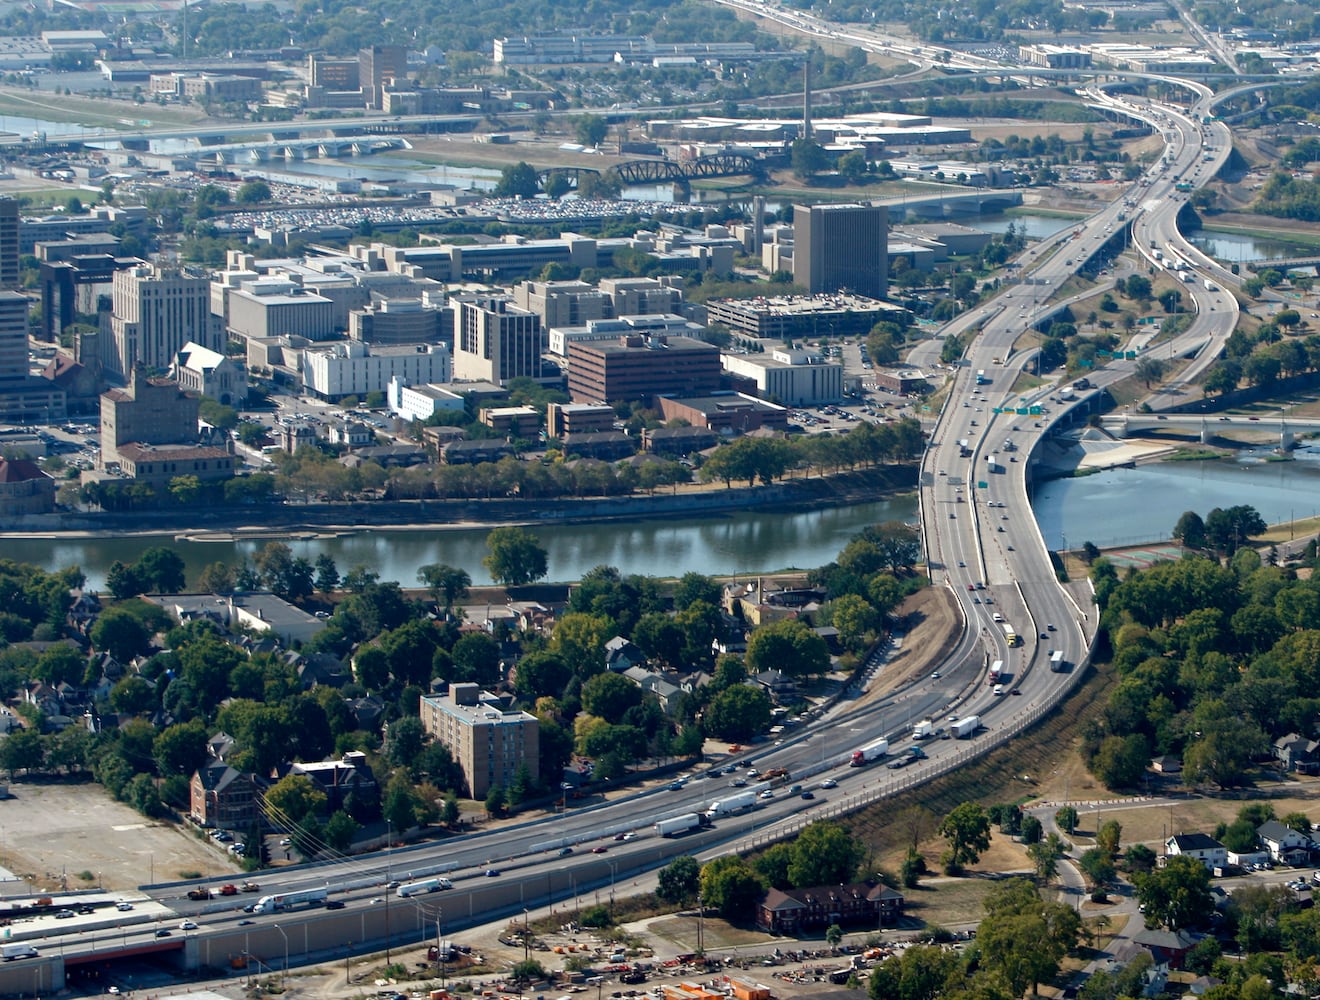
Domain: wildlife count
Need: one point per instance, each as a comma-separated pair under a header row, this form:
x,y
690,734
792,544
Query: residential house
x,y
792,911
366,712
224,797
779,686
340,779
1297,753
666,689
621,654
1209,851
1166,764
1285,844
1167,947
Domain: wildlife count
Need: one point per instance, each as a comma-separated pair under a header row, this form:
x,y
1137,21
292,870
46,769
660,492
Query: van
x,y
795,790
999,689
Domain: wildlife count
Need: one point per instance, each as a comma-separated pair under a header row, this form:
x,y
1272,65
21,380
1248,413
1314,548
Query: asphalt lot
x,y
55,831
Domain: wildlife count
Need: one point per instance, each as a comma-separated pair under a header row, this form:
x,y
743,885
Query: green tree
x,y
1024,939
1045,856
609,696
824,854
515,556
121,633
732,888
1066,817
161,570
340,830
967,829
446,583
790,646
1109,836
1098,865
518,180
739,713
1177,895
293,799
679,881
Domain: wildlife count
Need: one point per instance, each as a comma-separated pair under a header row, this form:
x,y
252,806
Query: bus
x,y
1009,634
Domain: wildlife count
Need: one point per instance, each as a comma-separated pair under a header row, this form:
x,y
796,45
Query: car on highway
x,y
565,851
162,932
334,904
738,782
829,783
188,925
808,794
767,794
1049,626
492,873
600,850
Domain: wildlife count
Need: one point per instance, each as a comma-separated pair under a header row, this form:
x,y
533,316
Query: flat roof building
x,y
790,317
790,377
841,248
490,743
356,369
641,368
726,413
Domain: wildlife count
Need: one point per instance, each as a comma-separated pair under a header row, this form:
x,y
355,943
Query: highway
x,y
982,544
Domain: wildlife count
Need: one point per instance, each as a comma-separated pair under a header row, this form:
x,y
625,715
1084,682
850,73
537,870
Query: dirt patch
x,y
53,832
932,620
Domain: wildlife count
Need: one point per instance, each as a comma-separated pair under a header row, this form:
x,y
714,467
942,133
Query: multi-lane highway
x,y
982,543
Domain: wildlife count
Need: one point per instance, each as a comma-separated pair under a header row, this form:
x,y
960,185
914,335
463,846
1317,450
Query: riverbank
x,y
284,521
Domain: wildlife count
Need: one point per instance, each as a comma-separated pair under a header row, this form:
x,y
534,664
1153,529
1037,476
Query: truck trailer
x,y
13,951
289,900
731,804
965,727
873,751
678,824
423,885
996,672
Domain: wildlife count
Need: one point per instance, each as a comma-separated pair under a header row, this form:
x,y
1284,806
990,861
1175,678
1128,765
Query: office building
x,y
495,341
277,307
791,317
641,368
352,368
578,418
24,398
8,243
154,313
401,321
841,248
790,377
149,430
490,743
378,68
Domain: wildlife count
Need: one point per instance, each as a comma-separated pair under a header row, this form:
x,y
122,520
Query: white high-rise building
x,y
154,313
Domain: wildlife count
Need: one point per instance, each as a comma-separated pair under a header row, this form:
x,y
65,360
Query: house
x,y
666,690
621,653
366,712
793,911
1209,851
224,797
779,686
1167,947
1297,753
1166,764
1284,843
339,779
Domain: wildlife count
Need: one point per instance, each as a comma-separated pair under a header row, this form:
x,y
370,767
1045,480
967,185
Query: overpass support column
x,y
192,952
1206,433
1285,439
1123,427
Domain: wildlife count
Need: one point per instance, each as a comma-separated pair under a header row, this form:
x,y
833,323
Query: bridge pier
x,y
1122,433
1207,435
1285,439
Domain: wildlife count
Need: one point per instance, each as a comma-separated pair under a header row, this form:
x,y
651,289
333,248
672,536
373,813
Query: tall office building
x,y
495,341
23,397
377,67
153,314
841,247
8,243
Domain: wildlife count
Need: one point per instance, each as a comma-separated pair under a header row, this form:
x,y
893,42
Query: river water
x,y
1119,507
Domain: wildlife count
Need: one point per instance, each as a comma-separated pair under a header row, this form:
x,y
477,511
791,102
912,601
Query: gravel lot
x,y
52,830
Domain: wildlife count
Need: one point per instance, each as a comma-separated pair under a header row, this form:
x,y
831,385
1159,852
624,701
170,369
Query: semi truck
x,y
923,730
965,727
870,753
289,900
423,885
675,825
13,951
731,804
1057,663
996,672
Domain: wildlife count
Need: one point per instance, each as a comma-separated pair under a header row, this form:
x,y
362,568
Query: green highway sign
x,y
1035,411
983,485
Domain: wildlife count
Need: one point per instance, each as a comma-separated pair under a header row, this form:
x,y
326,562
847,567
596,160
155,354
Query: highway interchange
x,y
982,543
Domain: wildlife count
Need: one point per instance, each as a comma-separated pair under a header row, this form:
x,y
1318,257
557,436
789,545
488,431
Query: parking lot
x,y
53,835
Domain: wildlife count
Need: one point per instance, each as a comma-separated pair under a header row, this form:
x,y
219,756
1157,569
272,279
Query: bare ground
x,y
932,629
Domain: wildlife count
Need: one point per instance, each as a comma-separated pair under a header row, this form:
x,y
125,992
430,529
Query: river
x,y
1119,507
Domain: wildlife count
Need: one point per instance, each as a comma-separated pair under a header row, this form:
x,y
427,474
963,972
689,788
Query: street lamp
x,y
284,978
701,914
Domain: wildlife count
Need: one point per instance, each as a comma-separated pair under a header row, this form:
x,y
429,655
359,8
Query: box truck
x,y
13,951
923,730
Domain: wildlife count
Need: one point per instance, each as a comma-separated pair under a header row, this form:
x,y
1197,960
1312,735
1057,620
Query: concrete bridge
x,y
1208,427
308,149
1282,264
